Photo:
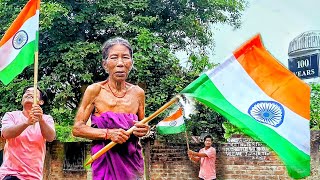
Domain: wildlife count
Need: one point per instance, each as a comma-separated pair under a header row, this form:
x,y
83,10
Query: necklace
x,y
114,93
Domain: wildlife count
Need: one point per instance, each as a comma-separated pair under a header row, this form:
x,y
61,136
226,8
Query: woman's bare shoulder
x,y
94,88
135,88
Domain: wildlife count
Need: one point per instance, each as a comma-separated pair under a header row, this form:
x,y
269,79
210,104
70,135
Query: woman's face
x,y
119,62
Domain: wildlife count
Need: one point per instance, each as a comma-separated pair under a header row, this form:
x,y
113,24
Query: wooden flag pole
x,y
187,139
35,79
144,121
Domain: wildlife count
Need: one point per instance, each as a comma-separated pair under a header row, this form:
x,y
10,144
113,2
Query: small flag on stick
x,y
172,124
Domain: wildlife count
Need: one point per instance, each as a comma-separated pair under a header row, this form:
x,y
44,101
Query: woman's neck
x,y
118,86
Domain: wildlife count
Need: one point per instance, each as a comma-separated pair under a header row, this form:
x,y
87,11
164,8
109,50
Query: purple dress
x,y
123,161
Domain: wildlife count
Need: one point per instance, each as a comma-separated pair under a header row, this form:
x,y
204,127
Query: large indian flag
x,y
20,42
172,124
264,99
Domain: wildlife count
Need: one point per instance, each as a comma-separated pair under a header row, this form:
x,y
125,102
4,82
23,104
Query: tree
x,y
71,33
315,107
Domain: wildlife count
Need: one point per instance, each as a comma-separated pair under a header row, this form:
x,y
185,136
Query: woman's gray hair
x,y
111,42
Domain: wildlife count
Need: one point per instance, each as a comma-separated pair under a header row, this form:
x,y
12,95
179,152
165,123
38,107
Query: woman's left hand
x,y
141,129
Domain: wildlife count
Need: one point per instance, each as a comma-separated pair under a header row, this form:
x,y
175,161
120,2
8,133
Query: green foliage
x,y
63,133
206,121
12,95
71,33
230,129
315,107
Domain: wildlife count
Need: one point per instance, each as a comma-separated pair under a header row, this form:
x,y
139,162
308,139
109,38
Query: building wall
x,y
170,161
239,158
243,158
53,169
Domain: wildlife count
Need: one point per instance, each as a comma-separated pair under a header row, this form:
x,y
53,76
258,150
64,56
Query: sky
x,y
278,22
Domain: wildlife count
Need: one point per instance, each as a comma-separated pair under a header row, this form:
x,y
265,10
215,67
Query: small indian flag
x,y
20,42
262,98
172,124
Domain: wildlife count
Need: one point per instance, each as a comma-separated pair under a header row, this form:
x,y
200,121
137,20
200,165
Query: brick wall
x,y
239,158
243,158
53,169
170,161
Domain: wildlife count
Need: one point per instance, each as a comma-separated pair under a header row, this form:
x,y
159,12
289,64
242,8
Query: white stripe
x,y
7,52
179,121
241,91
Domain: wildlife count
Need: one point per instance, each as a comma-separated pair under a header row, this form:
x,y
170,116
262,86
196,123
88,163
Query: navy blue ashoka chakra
x,y
20,39
173,123
267,112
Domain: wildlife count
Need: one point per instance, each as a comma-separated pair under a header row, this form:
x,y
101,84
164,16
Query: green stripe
x,y
23,59
296,161
171,129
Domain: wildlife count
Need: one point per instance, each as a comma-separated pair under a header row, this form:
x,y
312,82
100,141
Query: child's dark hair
x,y
42,93
207,136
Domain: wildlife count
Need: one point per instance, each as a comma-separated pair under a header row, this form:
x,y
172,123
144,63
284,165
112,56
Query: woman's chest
x,y
128,104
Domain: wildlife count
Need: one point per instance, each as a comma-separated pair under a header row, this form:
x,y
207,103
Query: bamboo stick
x,y
144,121
35,79
187,139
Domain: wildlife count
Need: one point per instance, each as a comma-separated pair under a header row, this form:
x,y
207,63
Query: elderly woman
x,y
114,106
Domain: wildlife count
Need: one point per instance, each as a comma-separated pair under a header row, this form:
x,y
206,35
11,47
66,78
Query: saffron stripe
x,y
26,13
179,121
174,116
273,78
8,53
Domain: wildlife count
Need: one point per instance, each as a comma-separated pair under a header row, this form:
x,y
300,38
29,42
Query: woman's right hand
x,y
117,135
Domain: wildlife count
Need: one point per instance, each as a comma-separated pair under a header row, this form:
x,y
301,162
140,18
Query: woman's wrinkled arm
x,y
80,129
141,129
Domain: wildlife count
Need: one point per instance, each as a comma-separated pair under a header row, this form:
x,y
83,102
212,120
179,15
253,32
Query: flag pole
x,y
187,139
35,79
144,121
36,64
